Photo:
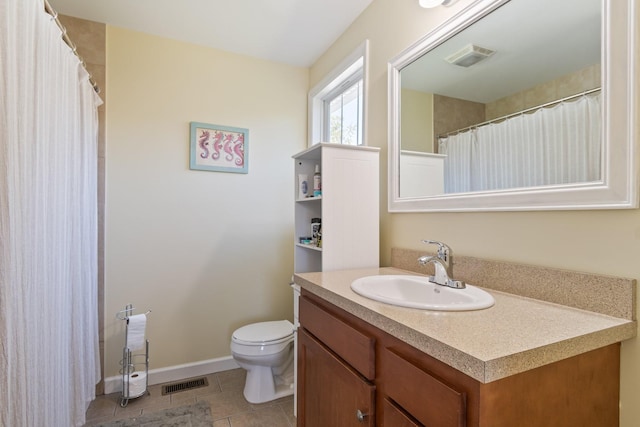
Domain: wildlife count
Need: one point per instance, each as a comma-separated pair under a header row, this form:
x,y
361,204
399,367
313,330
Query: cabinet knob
x,y
360,415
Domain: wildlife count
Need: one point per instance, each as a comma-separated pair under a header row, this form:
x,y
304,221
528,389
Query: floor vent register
x,y
185,385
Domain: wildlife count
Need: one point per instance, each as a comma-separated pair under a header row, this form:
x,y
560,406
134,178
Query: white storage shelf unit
x,y
348,208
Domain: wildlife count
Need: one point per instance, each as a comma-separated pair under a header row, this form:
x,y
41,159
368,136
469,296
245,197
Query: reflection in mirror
x,y
506,103
511,105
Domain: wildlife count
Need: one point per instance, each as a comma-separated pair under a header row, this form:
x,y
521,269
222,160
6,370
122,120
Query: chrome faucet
x,y
443,263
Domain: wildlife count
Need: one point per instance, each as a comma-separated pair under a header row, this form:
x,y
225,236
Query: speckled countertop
x,y
515,335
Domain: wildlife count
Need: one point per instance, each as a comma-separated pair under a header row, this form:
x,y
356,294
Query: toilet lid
x,y
264,331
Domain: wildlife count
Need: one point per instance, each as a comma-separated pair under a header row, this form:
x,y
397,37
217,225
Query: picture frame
x,y
219,148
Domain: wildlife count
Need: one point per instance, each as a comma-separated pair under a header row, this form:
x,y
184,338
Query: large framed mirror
x,y
517,105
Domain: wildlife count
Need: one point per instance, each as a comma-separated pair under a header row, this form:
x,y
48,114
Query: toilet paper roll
x,y
135,331
137,384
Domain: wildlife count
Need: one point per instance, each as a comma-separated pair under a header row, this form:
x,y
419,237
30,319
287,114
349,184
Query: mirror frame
x,y
619,170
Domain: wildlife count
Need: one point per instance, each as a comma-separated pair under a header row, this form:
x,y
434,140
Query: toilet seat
x,y
264,333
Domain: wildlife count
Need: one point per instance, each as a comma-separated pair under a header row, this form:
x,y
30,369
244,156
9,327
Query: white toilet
x,y
265,350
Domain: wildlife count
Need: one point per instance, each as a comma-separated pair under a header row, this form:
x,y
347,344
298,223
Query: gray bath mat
x,y
197,415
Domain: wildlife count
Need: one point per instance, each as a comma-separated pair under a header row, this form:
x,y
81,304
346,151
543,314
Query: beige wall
x,y
606,242
206,251
416,127
453,114
571,84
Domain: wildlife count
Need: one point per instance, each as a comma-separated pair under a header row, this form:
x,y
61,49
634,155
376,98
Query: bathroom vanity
x,y
523,362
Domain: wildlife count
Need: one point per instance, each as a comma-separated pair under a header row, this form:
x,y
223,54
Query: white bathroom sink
x,y
419,292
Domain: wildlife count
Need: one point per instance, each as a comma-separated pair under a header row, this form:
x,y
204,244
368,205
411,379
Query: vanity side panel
x,y
583,390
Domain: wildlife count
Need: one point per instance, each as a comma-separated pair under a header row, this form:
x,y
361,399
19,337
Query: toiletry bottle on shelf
x,y
315,227
317,183
303,186
319,238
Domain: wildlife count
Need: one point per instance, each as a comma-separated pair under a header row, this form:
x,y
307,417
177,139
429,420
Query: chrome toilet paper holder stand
x,y
130,360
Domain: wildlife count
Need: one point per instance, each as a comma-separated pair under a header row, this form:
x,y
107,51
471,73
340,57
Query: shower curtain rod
x,y
508,116
67,40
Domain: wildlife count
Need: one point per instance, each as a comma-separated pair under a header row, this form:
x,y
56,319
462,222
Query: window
x,y
343,110
337,103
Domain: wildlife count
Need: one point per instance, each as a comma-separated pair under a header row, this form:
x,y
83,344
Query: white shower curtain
x,y
49,359
558,145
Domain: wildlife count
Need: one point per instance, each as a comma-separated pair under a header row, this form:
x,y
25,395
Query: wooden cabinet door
x,y
330,392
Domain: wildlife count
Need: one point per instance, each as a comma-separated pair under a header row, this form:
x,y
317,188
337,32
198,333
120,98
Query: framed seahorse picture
x,y
219,148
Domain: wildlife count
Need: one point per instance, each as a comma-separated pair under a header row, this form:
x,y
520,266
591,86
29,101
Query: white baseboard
x,y
176,373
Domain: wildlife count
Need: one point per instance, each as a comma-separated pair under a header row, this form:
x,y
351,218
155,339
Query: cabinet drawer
x,y
354,347
395,417
429,400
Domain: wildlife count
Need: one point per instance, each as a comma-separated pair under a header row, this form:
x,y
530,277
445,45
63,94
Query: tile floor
x,y
224,393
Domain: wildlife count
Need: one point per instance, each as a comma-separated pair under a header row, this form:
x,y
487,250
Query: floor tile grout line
x,y
217,377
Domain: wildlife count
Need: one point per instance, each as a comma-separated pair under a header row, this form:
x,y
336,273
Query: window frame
x,y
341,78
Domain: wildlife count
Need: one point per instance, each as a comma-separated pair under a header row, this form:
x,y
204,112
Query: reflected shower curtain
x,y
558,145
49,361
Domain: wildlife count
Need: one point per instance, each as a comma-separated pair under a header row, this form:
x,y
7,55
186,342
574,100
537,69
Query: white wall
x,y
206,251
604,242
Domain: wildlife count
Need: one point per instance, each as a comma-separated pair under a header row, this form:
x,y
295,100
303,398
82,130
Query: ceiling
x,y
294,32
535,41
